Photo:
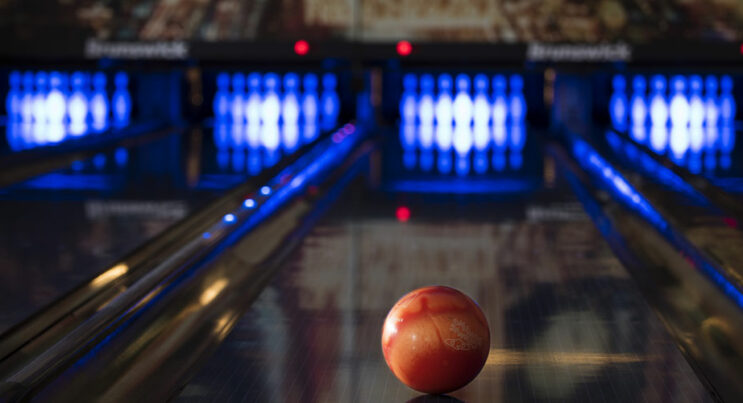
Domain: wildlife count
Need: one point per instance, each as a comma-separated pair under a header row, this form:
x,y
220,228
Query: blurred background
x,y
219,200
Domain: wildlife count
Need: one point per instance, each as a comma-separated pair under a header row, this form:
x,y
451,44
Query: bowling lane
x,y
567,322
711,227
64,227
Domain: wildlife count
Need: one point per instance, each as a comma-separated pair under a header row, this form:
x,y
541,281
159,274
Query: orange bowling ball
x,y
435,339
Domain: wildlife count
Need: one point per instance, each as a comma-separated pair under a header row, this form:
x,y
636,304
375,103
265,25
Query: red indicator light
x,y
404,48
301,47
741,48
729,221
403,214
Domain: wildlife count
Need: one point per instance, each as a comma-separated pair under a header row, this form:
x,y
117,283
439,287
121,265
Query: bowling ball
x,y
435,339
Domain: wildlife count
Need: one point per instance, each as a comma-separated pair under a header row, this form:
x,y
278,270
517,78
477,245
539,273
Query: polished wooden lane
x,y
567,321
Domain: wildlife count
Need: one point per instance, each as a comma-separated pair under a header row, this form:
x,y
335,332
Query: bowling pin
x,y
659,138
516,160
121,100
255,163
408,159
679,140
39,108
638,133
444,101
481,105
517,137
270,113
480,162
221,130
443,136
309,99
99,102
462,140
696,138
638,106
329,101
696,114
408,135
696,105
500,136
727,102
426,160
425,135
462,102
443,113
425,103
500,107
222,97
618,103
270,136
27,97
727,139
679,108
462,166
516,100
271,106
290,136
290,101
252,102
237,135
56,99
695,163
77,105
238,159
56,108
481,136
237,107
499,160
711,109
13,135
13,100
309,107
121,157
408,100
444,163
658,104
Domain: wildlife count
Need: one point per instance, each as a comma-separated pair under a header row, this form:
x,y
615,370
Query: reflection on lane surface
x,y
567,322
61,228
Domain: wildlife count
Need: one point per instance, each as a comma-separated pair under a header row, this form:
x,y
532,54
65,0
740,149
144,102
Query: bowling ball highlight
x,y
435,339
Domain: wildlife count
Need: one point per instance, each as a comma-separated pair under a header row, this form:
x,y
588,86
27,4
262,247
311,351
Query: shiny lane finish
x,y
435,339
